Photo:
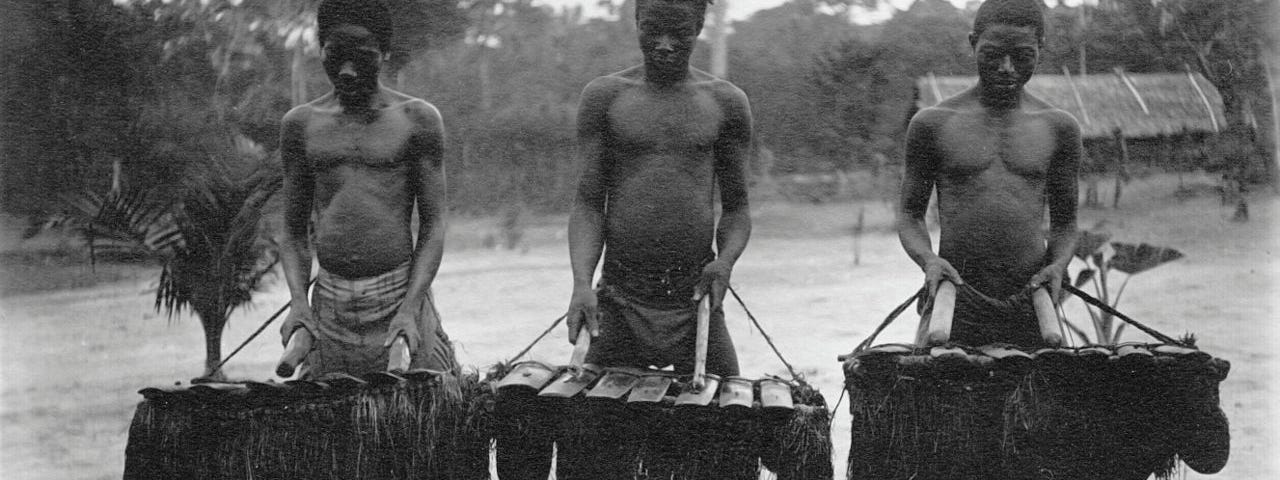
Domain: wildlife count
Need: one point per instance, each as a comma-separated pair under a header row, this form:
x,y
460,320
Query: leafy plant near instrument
x,y
1102,258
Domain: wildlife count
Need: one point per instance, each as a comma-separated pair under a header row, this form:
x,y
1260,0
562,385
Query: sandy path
x,y
71,361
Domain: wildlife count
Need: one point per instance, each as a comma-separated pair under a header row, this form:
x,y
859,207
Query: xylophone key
x,y
342,381
651,389
737,392
700,396
615,383
775,394
529,375
570,382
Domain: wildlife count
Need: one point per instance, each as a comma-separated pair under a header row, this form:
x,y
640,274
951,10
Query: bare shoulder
x,y
931,118
725,92
293,126
299,116
1061,120
608,86
418,111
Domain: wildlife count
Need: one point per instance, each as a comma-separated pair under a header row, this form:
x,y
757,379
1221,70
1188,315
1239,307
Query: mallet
x,y
936,329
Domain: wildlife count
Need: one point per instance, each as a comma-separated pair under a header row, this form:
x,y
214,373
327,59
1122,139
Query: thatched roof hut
x,y
1141,105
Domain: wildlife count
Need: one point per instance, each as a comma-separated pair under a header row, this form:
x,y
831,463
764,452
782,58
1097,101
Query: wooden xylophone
x,y
631,423
418,424
1123,412
620,423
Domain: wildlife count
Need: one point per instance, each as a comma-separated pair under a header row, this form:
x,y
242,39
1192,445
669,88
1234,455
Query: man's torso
x,y
991,183
660,146
363,193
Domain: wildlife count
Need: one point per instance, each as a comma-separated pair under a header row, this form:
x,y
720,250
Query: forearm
x,y
586,243
1062,245
426,263
914,235
295,260
732,234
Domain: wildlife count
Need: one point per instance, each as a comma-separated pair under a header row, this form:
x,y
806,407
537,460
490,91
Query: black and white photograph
x,y
639,239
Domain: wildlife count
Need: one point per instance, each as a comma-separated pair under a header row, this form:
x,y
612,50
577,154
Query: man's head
x,y
355,37
1006,39
668,30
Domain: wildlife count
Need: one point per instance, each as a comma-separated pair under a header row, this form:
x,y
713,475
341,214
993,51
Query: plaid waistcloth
x,y
352,316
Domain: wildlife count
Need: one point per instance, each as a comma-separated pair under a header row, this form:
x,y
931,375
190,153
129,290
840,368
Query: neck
x,y
665,77
999,100
356,103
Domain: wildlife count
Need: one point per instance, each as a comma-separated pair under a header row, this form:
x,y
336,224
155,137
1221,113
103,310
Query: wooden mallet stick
x,y
398,358
700,348
579,357
295,352
1047,316
936,329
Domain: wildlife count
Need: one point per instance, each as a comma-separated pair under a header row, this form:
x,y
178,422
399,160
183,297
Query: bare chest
x,y
336,141
643,122
1021,144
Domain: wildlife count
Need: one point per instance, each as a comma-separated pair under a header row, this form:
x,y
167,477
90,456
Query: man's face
x,y
352,60
1007,56
668,31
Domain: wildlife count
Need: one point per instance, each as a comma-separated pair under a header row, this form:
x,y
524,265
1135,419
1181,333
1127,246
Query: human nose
x,y
665,43
1006,65
347,70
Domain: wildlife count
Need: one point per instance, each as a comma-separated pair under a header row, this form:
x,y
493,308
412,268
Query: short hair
x,y
698,5
1018,13
370,14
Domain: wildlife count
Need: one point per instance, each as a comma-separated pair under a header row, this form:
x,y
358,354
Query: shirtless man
x,y
998,156
656,140
360,158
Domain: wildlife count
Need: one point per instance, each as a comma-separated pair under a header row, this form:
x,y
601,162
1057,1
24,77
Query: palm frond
x,y
228,248
125,223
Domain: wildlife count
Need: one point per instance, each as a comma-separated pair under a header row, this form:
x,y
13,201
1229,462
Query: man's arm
x,y
918,181
295,247
1062,187
732,155
586,220
426,152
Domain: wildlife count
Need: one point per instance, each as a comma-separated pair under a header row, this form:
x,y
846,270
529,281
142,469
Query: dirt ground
x,y
72,359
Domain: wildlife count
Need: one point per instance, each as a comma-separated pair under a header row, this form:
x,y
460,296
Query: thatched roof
x,y
1103,102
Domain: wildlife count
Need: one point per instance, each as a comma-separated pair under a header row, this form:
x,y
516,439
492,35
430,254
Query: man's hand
x,y
405,324
583,309
715,280
299,317
1050,276
936,270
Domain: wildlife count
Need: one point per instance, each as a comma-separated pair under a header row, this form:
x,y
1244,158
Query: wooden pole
x,y
936,328
700,348
720,39
1047,316
295,352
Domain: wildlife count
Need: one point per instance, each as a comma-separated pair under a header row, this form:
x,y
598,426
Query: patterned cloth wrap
x,y
351,321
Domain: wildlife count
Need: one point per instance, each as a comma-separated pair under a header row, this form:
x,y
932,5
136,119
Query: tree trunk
x,y
1268,125
1122,169
486,89
298,77
720,39
213,325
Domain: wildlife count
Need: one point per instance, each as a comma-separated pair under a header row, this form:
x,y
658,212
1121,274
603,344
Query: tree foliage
x,y
157,87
